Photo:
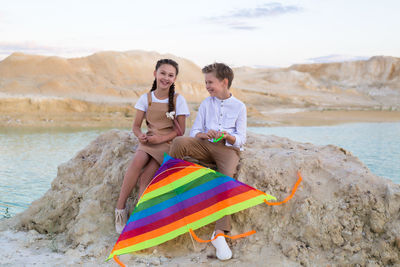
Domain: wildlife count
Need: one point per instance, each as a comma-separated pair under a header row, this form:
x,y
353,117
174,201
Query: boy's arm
x,y
231,139
239,135
198,127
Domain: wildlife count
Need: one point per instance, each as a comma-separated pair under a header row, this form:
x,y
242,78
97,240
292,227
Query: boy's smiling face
x,y
216,87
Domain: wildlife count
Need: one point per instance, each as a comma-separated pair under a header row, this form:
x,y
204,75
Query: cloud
x,y
266,10
7,48
335,58
241,26
239,19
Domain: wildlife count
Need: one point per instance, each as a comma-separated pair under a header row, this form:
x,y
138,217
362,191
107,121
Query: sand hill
x,y
40,88
104,76
374,83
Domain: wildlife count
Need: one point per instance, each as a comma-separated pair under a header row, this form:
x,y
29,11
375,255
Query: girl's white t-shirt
x,y
180,109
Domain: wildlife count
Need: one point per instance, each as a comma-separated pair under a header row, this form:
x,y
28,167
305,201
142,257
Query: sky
x,y
240,33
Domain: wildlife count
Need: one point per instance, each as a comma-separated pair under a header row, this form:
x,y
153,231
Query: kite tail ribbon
x,y
118,261
227,236
290,196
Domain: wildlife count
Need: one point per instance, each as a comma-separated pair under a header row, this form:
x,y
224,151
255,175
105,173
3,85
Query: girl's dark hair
x,y
171,92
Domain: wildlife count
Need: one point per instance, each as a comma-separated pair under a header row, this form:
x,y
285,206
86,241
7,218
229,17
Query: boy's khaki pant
x,y
226,158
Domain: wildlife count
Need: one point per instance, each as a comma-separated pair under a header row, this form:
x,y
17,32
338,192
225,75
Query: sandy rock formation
x,y
378,77
364,84
119,78
342,214
376,72
123,76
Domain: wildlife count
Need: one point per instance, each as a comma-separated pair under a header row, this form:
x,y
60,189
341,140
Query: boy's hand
x,y
229,138
212,134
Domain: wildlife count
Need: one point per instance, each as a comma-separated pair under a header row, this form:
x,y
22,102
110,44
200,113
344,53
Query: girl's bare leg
x,y
140,160
147,175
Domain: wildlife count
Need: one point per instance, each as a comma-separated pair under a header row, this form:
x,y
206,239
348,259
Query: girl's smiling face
x,y
165,76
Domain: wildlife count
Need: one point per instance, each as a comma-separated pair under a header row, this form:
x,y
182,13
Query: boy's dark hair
x,y
171,92
221,71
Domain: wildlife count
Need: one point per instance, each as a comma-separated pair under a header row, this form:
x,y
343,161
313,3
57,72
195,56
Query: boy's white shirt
x,y
181,105
228,115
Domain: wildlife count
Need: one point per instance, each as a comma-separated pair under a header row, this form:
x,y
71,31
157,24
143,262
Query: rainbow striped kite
x,y
182,197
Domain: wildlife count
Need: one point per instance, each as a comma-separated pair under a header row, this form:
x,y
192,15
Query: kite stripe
x,y
166,170
183,196
185,228
186,220
201,192
174,174
167,197
192,207
183,180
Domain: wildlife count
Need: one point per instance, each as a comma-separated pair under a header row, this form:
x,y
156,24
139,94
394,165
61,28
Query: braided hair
x,y
171,91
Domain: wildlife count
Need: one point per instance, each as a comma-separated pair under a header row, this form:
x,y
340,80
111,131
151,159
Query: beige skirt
x,y
156,151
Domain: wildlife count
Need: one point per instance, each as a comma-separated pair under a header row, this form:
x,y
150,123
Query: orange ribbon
x,y
215,237
296,185
118,261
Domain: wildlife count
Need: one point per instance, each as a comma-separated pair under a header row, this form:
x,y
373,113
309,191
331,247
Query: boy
x,y
220,115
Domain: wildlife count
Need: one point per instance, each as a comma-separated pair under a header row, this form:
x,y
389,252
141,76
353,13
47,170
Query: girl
x,y
157,107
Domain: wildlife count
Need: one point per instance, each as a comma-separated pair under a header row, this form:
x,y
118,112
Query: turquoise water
x,y
377,145
29,158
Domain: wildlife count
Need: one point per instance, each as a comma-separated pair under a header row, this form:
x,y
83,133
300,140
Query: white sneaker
x,y
223,250
121,217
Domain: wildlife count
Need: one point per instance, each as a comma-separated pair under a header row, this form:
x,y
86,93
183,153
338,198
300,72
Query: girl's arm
x,y
137,124
182,122
159,139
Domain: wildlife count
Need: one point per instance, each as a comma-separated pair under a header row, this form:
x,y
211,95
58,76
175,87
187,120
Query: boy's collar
x,y
230,95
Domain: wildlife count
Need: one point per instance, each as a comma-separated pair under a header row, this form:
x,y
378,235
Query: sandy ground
x,y
16,253
25,249
327,117
119,120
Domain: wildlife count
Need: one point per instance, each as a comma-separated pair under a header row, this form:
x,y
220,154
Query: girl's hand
x,y
154,139
142,138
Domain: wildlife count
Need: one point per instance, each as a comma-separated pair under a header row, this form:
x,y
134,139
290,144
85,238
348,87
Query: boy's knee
x,y
180,141
178,145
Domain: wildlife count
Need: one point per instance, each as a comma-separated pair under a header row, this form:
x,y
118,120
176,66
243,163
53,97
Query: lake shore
x,y
119,120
